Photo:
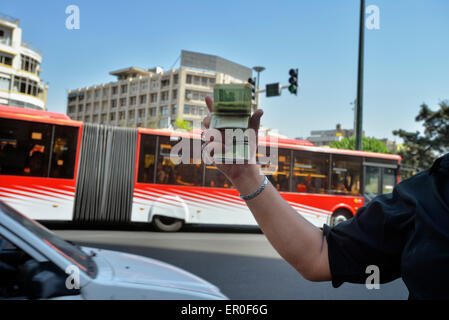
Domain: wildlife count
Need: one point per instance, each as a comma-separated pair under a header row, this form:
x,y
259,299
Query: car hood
x,y
129,268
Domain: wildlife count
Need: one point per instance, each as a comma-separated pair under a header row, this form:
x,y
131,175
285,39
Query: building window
x,y
153,112
123,88
196,80
188,79
122,102
105,92
80,108
112,116
114,90
87,107
143,99
96,106
104,105
174,109
133,88
164,96
143,85
204,82
5,83
131,115
121,115
174,94
5,59
27,86
29,64
113,104
141,114
165,83
175,79
211,82
71,109
164,110
95,118
153,98
154,84
97,93
132,101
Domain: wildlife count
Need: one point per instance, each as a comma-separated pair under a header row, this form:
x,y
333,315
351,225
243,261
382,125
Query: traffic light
x,y
252,82
293,88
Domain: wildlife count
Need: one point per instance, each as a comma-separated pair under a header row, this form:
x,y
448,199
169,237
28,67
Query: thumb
x,y
254,122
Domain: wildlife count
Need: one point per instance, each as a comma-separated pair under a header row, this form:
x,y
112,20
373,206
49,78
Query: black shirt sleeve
x,y
376,235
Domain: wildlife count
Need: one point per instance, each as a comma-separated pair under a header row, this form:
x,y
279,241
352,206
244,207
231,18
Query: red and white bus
x,y
55,169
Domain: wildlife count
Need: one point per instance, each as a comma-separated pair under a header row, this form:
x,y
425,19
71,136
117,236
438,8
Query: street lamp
x,y
258,69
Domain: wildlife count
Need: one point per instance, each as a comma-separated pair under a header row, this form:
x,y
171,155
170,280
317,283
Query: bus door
x,y
379,178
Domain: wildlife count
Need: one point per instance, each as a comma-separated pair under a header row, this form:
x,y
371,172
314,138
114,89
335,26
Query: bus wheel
x,y
167,224
339,216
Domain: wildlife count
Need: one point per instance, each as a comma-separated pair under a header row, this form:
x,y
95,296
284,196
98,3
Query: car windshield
x,y
71,252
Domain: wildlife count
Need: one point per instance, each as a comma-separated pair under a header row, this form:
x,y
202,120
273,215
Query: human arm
x,y
299,242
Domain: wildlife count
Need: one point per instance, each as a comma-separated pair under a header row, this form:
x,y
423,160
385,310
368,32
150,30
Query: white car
x,y
36,264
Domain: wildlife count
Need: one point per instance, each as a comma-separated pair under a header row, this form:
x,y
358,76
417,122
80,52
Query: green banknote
x,y
232,106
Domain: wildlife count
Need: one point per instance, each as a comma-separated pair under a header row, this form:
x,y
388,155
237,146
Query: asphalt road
x,y
241,262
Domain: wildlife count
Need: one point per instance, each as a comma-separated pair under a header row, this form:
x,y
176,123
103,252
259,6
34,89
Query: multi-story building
x,y
20,82
155,98
326,137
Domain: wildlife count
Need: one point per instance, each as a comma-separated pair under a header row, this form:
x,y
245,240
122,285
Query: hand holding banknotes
x,y
237,173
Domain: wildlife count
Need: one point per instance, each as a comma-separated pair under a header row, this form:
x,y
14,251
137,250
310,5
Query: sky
x,y
406,59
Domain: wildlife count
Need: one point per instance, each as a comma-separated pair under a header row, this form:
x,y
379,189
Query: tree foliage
x,y
182,124
421,149
368,144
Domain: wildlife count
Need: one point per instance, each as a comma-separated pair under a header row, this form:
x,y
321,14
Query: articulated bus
x,y
55,169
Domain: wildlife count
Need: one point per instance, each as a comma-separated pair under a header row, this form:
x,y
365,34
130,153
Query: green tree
x,y
421,149
182,124
368,144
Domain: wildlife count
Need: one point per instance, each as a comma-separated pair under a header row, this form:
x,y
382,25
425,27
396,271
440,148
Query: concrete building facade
x,y
155,98
20,82
326,137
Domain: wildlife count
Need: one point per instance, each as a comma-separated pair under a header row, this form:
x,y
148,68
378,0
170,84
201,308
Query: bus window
x,y
214,178
64,152
372,182
388,180
311,172
346,173
24,148
187,174
280,177
146,158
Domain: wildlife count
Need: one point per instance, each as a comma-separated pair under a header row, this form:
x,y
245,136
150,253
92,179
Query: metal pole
x,y
359,107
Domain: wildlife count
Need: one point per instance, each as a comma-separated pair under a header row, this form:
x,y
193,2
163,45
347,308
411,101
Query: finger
x,y
206,122
209,103
254,122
